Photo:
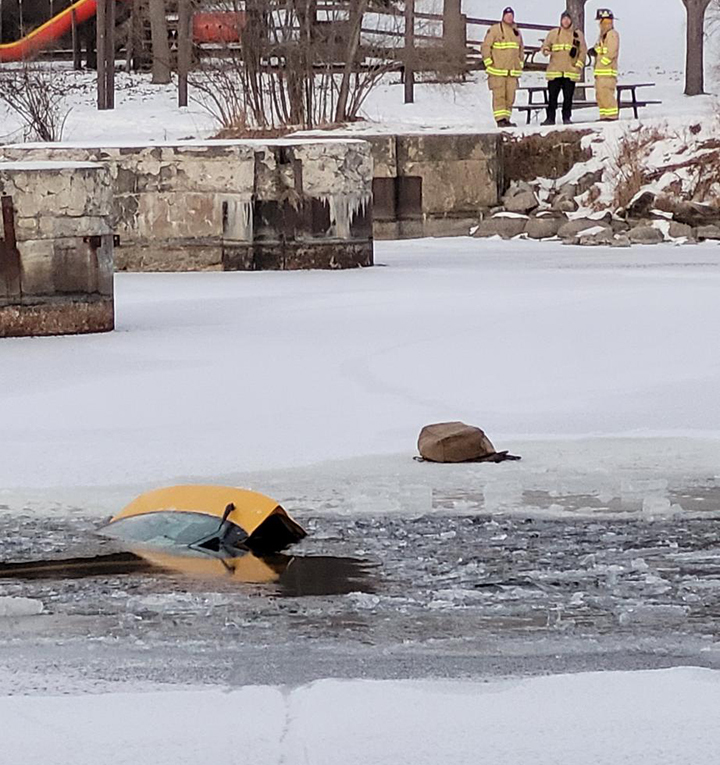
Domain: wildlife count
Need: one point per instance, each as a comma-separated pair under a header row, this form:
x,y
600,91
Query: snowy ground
x,y
147,112
603,719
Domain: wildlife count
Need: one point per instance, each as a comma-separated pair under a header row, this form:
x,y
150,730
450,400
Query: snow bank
x,y
603,719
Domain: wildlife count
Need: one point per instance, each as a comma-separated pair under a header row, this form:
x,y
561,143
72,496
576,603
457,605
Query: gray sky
x,y
652,31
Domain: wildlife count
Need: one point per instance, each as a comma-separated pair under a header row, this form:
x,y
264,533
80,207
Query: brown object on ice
x,y
457,442
453,442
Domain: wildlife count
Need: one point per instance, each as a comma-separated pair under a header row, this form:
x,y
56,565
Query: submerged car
x,y
207,532
220,520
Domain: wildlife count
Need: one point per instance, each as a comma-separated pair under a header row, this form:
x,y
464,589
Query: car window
x,y
165,528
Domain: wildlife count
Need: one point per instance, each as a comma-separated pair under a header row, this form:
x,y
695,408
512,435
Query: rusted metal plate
x,y
10,283
409,197
385,198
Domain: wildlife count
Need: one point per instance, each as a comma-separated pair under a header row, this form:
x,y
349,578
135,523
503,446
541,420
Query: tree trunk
x,y
695,47
455,37
576,9
356,18
409,52
160,45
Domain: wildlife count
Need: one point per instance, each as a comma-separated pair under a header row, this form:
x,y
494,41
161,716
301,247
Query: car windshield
x,y
166,528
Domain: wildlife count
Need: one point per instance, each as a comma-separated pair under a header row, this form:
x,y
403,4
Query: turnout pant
x,y
606,92
568,90
503,96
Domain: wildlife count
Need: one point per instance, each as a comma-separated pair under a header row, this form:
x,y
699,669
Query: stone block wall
x,y
233,205
56,248
428,184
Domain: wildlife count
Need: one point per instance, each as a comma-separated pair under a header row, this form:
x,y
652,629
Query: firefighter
x,y
606,53
503,53
567,49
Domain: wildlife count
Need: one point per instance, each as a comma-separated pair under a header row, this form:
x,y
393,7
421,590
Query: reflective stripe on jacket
x,y
558,45
503,51
608,52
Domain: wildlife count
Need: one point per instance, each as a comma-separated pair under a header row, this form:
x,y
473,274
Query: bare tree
x,y
577,11
357,14
695,47
160,46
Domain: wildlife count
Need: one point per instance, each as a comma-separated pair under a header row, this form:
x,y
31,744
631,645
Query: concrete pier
x,y
56,248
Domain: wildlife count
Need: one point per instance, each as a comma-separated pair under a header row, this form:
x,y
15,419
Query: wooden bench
x,y
533,106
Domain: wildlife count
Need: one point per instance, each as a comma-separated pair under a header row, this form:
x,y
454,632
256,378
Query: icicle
x,y
238,219
343,210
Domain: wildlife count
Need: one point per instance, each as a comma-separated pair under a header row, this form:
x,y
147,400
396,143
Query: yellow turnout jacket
x,y
608,53
503,51
560,45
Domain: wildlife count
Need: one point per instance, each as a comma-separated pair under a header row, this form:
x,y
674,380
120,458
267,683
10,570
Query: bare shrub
x,y
552,155
304,63
627,163
38,98
697,178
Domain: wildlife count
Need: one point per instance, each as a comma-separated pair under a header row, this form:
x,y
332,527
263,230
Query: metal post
x,y
184,49
77,58
409,51
10,269
110,53
101,31
106,54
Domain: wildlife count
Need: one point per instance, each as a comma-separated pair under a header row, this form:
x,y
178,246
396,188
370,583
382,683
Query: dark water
x,y
277,574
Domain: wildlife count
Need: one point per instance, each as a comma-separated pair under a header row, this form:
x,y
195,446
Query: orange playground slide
x,y
47,33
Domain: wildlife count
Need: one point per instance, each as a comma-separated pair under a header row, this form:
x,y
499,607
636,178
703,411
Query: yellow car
x,y
220,520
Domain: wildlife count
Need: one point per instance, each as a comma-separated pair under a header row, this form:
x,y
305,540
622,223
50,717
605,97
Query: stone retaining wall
x,y
233,205
434,184
56,248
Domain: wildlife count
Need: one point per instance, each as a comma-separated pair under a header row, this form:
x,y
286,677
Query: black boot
x,y
548,121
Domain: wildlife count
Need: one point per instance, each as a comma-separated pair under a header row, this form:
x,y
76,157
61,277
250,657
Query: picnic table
x,y
579,102
475,60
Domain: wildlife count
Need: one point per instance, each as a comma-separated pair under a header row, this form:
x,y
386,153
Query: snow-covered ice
x,y
216,374
664,717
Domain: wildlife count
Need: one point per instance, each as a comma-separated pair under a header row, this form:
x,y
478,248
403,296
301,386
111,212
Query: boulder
x,y
620,226
567,190
563,203
453,442
587,181
572,228
503,224
641,204
646,235
678,230
708,232
695,214
520,198
596,237
544,227
621,240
